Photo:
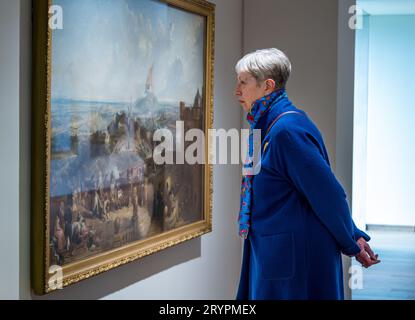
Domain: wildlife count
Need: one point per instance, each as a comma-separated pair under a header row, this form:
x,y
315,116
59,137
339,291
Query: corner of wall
x,y
344,112
24,147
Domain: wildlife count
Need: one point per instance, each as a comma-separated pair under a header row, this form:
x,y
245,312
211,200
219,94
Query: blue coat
x,y
300,222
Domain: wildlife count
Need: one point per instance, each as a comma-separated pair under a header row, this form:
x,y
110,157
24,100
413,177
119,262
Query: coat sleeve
x,y
298,158
360,234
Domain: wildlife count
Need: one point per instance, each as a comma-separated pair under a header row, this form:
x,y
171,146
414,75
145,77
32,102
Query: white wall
x,y
307,32
203,268
344,114
9,146
391,119
360,124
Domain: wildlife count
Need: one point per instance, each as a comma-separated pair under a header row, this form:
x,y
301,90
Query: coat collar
x,y
276,109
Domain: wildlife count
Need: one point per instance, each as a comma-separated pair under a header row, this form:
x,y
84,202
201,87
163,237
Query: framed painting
x,y
108,75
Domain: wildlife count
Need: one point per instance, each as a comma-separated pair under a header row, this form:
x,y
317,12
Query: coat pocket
x,y
276,256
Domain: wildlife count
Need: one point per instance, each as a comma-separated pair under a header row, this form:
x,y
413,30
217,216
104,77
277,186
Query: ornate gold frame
x,y
41,155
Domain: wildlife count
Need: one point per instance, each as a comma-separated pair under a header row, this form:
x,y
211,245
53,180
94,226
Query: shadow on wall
x,y
119,278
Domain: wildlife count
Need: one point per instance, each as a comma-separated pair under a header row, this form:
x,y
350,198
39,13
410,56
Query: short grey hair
x,y
266,64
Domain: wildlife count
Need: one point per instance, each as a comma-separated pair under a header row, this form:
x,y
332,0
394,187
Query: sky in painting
x,y
106,47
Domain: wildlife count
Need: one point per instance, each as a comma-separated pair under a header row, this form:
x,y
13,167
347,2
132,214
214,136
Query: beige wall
x,y
203,268
344,113
306,30
9,146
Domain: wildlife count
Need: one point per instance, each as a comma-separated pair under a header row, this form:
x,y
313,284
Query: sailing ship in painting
x,y
105,189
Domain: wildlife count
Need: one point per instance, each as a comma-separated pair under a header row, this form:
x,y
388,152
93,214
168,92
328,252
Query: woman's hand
x,y
366,256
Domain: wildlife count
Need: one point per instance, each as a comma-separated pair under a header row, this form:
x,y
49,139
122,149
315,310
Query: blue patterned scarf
x,y
260,107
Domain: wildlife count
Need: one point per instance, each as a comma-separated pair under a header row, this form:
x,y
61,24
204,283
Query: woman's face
x,y
248,91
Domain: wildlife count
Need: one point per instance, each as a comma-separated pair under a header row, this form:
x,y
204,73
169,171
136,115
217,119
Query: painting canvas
x,y
106,78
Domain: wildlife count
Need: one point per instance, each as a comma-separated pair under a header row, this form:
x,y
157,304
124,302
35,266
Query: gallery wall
x,y
203,268
9,146
360,123
317,39
307,32
391,114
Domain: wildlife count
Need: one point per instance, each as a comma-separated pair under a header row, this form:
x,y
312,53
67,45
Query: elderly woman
x,y
294,216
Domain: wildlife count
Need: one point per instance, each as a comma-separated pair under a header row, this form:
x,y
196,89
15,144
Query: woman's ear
x,y
270,85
